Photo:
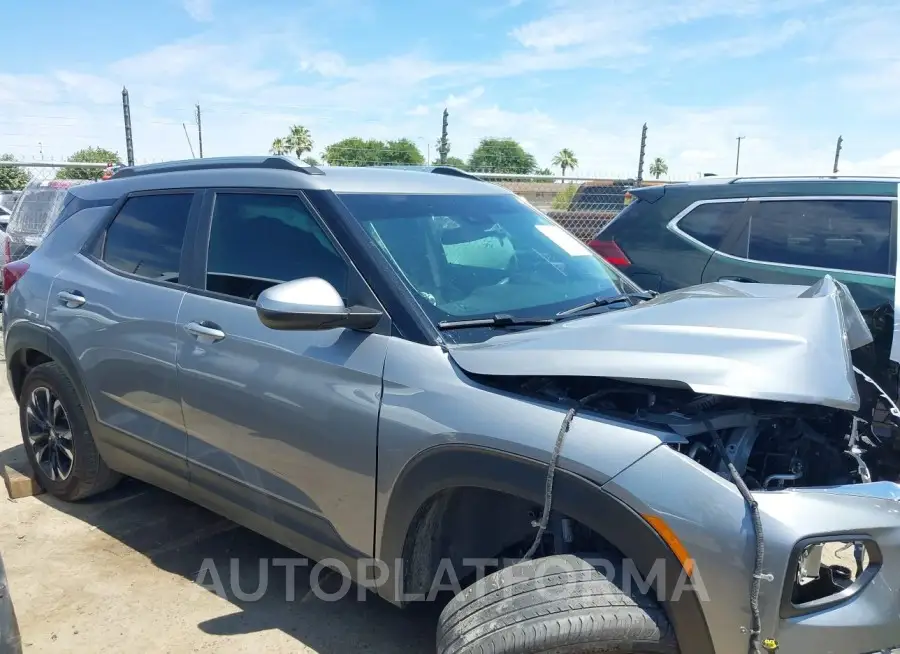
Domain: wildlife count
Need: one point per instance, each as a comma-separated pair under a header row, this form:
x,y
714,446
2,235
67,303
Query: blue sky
x,y
790,76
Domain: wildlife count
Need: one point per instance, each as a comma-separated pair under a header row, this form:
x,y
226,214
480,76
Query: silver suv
x,y
423,380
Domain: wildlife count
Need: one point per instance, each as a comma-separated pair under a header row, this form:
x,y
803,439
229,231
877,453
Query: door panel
x,y
123,338
280,423
289,416
116,309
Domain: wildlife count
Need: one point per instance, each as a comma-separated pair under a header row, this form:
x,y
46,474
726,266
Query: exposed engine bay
x,y
772,445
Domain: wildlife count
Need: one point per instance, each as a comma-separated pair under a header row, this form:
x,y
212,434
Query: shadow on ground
x,y
182,538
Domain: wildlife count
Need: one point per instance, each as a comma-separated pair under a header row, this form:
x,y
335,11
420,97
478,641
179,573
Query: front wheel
x,y
559,604
57,438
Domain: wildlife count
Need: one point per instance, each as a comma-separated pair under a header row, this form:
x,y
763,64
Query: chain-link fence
x,y
580,204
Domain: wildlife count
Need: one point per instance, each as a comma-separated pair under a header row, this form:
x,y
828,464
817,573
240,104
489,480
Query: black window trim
x,y
673,227
197,243
90,243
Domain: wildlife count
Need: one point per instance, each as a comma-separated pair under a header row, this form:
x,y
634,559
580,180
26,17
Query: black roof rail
x,y
454,172
217,163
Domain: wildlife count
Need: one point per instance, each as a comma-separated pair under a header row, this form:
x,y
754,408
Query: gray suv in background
x,y
424,380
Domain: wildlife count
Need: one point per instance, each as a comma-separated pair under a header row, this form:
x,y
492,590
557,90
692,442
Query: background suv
x,y
423,380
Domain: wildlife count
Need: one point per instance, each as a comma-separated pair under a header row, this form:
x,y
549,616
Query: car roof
x,y
287,173
763,186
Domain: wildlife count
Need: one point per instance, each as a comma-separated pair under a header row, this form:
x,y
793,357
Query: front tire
x,y
57,437
556,604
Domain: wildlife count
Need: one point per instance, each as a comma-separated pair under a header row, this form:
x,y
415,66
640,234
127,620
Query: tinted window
x,y
708,223
834,234
257,241
145,238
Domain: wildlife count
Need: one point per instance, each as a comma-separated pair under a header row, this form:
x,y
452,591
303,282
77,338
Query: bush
x,y
564,198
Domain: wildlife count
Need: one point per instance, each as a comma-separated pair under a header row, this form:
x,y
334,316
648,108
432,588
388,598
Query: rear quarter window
x,y
710,222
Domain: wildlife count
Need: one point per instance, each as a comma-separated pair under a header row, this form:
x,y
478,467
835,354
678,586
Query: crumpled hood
x,y
763,341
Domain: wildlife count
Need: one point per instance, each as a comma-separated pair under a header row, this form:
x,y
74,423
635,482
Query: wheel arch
x,y
432,473
28,345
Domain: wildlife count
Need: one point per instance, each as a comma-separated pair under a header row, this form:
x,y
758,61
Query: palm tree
x,y
299,140
279,147
659,167
565,159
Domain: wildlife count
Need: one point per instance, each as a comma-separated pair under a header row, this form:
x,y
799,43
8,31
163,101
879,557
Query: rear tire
x,y
57,437
558,604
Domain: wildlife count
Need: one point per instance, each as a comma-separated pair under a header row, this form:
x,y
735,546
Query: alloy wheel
x,y
49,434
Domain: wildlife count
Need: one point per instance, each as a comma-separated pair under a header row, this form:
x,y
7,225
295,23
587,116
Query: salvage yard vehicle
x,y
327,357
39,203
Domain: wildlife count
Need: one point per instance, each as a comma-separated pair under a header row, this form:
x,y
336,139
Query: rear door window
x,y
711,221
838,234
146,236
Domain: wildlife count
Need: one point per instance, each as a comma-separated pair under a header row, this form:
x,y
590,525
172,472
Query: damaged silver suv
x,y
421,379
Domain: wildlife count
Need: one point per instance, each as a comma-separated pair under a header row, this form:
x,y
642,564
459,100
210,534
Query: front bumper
x,y
711,520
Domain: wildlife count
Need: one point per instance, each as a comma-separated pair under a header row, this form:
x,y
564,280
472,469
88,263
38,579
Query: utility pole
x,y
837,153
126,111
444,148
640,175
199,133
737,162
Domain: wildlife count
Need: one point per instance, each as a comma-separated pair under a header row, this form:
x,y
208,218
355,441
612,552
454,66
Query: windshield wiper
x,y
498,320
606,301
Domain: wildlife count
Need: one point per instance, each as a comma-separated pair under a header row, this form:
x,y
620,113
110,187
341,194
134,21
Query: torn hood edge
x,y
759,341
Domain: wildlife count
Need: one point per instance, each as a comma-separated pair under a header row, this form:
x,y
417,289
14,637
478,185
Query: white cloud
x,y
199,10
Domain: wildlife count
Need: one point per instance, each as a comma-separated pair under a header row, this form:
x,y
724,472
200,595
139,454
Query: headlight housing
x,y
824,571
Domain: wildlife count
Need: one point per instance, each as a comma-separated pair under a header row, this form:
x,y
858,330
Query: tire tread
x,y
575,612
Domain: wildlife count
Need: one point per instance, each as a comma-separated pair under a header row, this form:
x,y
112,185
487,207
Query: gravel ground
x,y
120,572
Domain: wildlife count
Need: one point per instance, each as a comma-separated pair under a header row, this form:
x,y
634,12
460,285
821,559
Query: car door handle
x,y
732,278
71,299
206,331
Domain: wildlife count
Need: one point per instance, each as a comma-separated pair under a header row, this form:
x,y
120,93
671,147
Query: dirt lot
x,y
120,572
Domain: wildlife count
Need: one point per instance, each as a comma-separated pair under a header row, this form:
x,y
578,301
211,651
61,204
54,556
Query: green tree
x,y
455,162
564,198
355,151
299,141
402,152
279,147
659,167
12,178
565,160
501,155
543,171
310,161
89,155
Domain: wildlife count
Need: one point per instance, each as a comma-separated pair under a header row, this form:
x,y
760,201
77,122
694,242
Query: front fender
x,y
452,466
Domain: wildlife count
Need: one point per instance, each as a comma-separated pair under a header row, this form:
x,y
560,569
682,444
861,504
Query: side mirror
x,y
310,303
